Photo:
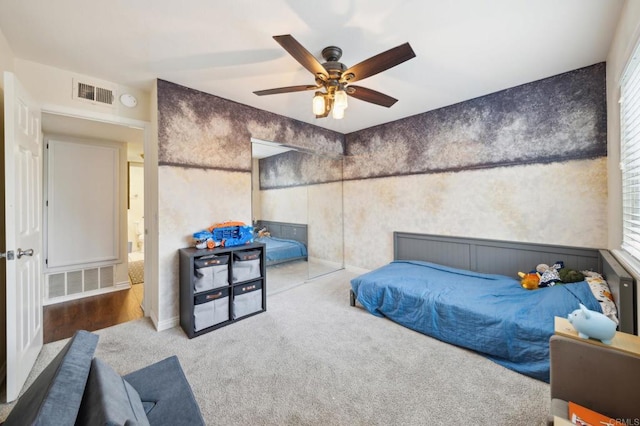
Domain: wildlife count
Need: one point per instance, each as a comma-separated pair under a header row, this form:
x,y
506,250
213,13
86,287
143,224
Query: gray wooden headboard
x,y
508,258
289,231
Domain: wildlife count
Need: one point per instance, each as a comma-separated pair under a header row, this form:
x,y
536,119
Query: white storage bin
x,y
211,309
246,265
247,299
210,272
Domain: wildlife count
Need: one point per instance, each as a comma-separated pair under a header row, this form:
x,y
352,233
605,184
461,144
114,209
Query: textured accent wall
x,y
556,119
197,129
524,164
293,168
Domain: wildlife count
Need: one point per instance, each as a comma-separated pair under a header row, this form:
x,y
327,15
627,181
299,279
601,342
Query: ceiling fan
x,y
335,78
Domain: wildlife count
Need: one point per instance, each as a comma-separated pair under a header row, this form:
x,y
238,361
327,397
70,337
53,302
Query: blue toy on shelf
x,y
226,234
592,324
231,236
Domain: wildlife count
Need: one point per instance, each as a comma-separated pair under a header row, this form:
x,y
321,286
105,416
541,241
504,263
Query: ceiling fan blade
x,y
372,96
376,64
302,55
288,89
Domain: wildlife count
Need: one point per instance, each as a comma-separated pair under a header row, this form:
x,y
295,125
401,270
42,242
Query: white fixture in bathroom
x,y
140,234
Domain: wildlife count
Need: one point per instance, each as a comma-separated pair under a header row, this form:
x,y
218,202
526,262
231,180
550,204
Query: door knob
x,y
21,253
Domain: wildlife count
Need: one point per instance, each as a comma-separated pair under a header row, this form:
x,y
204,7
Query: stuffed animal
x,y
549,276
529,281
592,324
570,275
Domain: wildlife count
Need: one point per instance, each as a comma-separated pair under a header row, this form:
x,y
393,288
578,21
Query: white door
x,y
23,216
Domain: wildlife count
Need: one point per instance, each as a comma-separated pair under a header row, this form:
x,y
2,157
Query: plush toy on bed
x,y
263,233
558,274
570,275
529,281
549,275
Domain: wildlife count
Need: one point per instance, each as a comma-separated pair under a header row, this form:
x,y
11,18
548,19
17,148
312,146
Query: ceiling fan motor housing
x,y
332,54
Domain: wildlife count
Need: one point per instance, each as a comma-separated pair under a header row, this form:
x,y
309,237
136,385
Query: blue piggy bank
x,y
592,324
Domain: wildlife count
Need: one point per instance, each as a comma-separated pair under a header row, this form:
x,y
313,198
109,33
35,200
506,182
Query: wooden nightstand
x,y
624,342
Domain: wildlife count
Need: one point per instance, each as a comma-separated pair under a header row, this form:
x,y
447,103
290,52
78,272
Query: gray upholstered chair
x,y
78,389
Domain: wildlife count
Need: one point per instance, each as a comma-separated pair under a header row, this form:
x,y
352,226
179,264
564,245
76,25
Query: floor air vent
x,y
93,93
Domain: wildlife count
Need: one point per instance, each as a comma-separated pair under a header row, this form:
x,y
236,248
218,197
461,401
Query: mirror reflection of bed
x,y
297,203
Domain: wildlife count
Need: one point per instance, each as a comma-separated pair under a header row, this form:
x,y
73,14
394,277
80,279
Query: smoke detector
x,y
128,100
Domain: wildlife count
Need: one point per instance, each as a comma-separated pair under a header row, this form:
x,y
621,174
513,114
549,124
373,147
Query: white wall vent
x,y
69,283
96,93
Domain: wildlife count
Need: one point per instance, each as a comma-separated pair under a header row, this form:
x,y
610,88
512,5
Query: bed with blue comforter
x,y
490,314
280,250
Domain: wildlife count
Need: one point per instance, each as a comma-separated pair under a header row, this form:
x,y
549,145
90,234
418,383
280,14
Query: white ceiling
x,y
464,48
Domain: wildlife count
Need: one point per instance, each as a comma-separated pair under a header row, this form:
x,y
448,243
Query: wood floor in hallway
x,y
92,313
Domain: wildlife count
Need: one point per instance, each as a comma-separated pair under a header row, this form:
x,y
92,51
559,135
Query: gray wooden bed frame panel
x,y
508,258
289,231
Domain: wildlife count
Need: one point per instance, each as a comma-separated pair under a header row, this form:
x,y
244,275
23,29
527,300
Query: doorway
x,y
122,299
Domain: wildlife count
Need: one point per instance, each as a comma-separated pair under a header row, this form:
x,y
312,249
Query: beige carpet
x,y
312,359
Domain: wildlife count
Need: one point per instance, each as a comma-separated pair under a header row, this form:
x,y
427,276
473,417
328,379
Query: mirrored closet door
x,y
297,201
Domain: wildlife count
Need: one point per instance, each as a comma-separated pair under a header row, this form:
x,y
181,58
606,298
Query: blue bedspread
x,y
490,314
280,249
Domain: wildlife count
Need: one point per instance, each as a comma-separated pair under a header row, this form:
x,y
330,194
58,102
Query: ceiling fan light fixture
x,y
318,104
340,99
338,113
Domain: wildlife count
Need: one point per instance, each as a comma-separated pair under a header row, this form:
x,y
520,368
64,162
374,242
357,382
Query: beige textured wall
x,y
558,203
190,201
285,204
325,222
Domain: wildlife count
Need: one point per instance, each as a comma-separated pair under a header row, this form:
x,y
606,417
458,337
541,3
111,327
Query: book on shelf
x,y
583,416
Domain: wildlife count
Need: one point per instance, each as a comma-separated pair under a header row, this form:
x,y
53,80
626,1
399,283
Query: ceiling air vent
x,y
86,91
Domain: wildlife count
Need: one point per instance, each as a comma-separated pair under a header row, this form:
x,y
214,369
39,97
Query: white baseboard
x,y
123,285
356,269
166,324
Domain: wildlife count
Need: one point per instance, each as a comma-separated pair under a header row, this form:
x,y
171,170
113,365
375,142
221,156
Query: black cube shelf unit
x,y
221,286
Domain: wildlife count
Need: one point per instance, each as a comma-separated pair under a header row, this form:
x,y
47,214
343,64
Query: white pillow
x,y
602,292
